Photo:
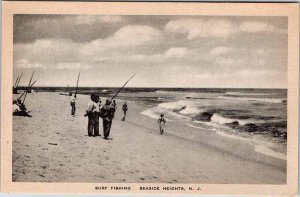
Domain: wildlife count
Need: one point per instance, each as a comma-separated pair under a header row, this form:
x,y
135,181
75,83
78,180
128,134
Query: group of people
x,y
95,111
19,108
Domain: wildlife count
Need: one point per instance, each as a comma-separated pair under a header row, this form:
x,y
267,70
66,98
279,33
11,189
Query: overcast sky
x,y
165,51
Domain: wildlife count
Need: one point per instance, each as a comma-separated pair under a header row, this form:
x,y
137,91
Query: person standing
x,y
161,123
107,114
96,116
114,104
90,113
124,108
72,102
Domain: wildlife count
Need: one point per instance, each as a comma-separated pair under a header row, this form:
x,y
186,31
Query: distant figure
x,y
16,108
107,114
114,104
21,105
124,108
72,102
162,123
18,111
91,112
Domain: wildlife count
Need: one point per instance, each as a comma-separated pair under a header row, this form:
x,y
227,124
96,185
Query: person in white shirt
x,y
72,102
97,113
16,108
19,110
91,112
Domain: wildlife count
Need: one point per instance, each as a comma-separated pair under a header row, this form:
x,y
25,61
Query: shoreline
x,y
137,153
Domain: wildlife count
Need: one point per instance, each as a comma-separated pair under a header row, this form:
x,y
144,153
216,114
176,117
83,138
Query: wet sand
x,y
53,146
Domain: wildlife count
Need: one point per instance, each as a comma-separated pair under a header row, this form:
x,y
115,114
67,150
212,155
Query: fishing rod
x,y
16,81
19,79
26,91
123,86
30,78
77,84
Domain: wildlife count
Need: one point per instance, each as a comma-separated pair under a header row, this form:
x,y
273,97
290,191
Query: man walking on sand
x,y
124,108
162,123
107,114
72,102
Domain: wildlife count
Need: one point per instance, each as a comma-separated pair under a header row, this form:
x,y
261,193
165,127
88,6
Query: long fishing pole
x,y
19,80
30,78
26,91
123,86
77,84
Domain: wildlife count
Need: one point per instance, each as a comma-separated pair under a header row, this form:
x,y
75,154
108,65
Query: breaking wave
x,y
248,93
270,100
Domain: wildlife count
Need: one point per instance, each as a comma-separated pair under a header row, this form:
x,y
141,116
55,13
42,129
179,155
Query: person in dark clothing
x,y
107,113
124,108
21,105
161,123
114,104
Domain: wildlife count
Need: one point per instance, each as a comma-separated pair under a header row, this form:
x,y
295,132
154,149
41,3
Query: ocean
x,y
250,111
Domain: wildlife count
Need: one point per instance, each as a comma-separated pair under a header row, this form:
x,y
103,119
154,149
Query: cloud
x,y
218,28
220,50
48,51
92,19
199,28
177,52
79,28
127,36
24,63
132,35
256,27
72,65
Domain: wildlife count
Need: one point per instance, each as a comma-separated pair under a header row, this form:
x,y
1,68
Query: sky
x,y
164,51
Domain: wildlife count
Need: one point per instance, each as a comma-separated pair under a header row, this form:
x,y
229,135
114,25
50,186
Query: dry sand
x,y
53,146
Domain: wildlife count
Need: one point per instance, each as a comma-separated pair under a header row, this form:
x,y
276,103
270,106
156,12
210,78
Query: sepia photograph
x,y
150,99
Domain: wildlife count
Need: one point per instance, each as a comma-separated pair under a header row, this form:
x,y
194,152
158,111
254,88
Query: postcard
x,y
150,98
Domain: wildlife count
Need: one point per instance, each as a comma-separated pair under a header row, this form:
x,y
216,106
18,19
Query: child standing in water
x,y
162,123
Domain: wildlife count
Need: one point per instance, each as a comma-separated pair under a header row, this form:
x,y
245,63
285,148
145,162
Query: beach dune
x,y
53,146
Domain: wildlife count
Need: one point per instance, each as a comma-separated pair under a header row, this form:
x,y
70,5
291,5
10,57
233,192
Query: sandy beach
x,y
53,146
